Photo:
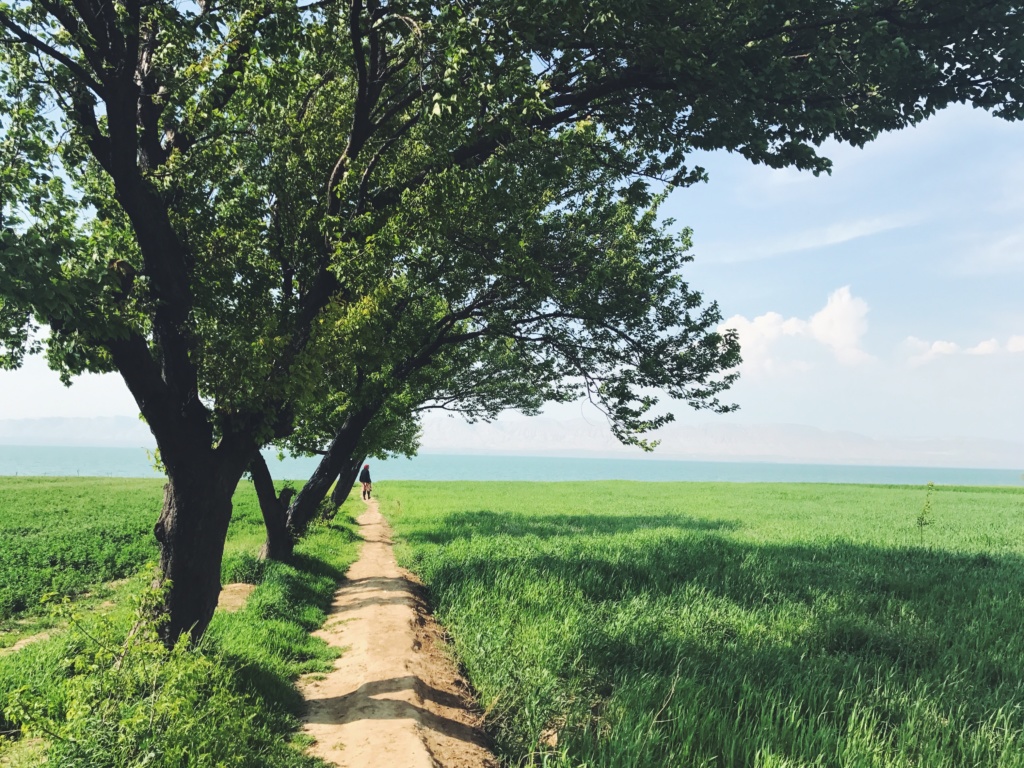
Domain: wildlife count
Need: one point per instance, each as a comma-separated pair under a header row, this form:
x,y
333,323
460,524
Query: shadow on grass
x,y
732,620
461,525
602,548
268,641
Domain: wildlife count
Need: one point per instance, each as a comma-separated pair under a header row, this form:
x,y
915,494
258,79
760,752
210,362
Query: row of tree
x,y
299,224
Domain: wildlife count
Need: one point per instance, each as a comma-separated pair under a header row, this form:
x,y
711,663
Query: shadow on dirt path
x,y
393,698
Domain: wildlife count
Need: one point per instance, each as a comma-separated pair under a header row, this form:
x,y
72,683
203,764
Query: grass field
x,y
625,624
101,692
71,536
603,624
64,535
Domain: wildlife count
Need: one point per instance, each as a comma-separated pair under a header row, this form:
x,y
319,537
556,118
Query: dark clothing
x,y
364,476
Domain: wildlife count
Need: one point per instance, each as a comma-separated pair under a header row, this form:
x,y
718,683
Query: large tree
x,y
191,193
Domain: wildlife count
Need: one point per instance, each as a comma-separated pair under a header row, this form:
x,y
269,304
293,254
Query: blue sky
x,y
885,299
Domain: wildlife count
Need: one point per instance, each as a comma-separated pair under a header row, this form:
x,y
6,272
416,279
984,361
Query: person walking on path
x,y
364,478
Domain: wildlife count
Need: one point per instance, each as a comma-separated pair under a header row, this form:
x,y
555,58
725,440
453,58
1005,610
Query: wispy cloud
x,y
809,239
1001,255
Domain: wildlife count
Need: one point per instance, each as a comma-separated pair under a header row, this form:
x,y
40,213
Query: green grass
x,y
64,535
730,624
96,695
72,536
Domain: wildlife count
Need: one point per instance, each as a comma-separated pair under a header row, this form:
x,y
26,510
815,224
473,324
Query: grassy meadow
x,y
101,692
603,624
73,536
768,625
64,535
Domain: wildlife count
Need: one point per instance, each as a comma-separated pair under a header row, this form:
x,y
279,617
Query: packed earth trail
x,y
393,698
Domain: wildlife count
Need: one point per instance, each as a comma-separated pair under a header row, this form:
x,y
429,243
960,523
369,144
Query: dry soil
x,y
394,697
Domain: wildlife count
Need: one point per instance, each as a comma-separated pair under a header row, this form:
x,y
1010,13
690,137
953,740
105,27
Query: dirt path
x,y
233,596
23,642
393,699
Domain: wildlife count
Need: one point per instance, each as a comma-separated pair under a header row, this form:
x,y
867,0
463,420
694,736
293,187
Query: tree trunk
x,y
337,458
279,543
191,530
346,480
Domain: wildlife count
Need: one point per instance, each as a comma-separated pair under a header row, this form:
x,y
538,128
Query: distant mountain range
x,y
100,432
546,436
787,443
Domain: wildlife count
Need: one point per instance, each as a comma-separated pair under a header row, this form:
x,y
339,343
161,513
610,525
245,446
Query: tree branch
x,y
71,24
76,69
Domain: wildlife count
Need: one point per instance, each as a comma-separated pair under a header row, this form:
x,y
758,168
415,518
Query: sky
x,y
885,299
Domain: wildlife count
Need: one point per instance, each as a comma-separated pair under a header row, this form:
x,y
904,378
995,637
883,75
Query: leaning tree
x,y
552,284
190,192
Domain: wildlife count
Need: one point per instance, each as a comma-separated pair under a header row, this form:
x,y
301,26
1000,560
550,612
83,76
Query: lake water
x,y
133,462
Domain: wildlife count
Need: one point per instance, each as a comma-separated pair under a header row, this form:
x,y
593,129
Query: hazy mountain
x,y
717,442
543,435
101,432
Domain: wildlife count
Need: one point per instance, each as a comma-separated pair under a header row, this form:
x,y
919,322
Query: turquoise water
x,y
133,462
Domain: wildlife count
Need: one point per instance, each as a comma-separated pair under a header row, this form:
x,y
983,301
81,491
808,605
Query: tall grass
x,y
625,624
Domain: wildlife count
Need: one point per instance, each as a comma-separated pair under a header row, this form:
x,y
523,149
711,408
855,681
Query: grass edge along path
x,y
765,626
105,694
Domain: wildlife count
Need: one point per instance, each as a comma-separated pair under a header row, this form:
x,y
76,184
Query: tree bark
x,y
346,480
337,458
279,543
192,527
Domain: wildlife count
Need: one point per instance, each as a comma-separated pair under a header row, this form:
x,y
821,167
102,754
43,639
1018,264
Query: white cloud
x,y
839,325
926,351
758,336
921,352
988,347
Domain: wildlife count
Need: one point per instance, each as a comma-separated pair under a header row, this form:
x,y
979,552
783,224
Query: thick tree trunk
x,y
193,522
337,458
191,530
279,543
346,480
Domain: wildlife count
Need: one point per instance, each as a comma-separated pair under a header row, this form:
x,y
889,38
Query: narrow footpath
x,y
393,698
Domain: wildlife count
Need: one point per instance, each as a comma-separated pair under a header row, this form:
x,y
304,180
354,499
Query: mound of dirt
x,y
233,596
